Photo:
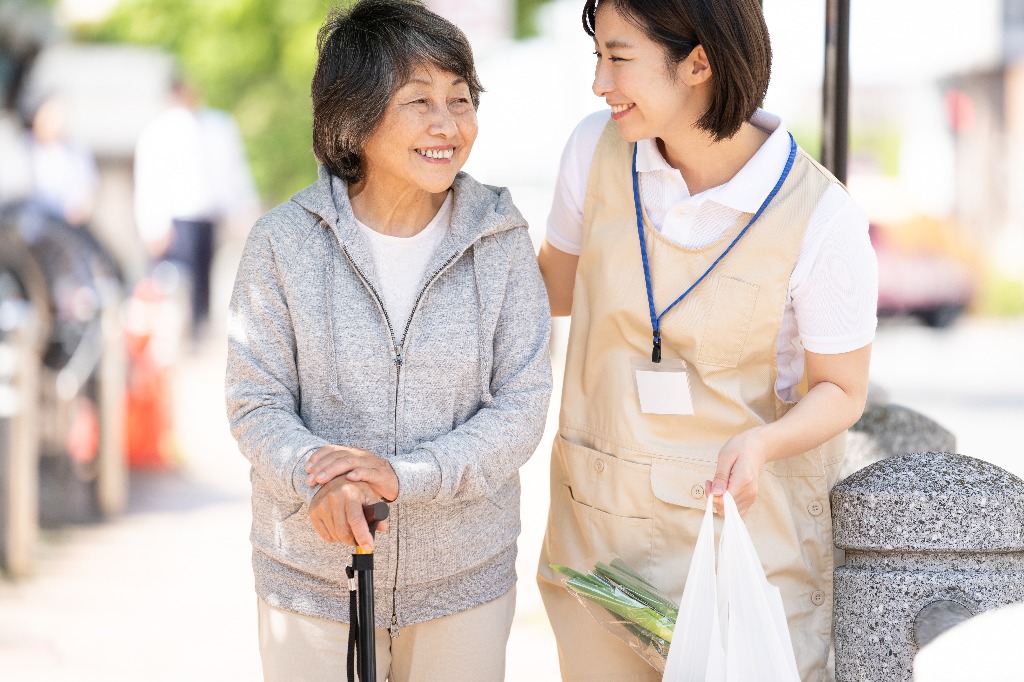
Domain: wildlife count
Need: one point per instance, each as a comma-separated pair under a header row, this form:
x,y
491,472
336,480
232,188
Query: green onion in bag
x,y
649,615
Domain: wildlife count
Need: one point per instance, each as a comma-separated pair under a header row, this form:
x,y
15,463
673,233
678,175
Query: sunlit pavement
x,y
164,592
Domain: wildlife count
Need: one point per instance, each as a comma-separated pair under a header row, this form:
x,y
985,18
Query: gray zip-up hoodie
x,y
457,409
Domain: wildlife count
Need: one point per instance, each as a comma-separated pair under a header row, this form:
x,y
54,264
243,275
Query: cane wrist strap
x,y
353,623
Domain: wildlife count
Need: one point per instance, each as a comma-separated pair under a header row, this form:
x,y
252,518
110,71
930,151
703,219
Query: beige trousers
x,y
466,646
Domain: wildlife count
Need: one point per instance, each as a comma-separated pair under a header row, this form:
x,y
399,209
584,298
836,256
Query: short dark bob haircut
x,y
366,53
734,37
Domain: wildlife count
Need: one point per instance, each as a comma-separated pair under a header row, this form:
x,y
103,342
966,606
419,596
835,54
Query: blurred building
x,y
936,115
982,111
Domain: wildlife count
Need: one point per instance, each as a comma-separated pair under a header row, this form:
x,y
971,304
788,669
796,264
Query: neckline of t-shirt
x,y
438,224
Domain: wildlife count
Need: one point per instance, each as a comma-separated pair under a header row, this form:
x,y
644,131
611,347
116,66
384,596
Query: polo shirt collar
x,y
751,185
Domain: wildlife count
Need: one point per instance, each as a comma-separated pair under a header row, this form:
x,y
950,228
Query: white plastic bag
x,y
696,653
731,628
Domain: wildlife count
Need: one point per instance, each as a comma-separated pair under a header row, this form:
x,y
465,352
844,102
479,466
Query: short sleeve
x,y
565,220
834,287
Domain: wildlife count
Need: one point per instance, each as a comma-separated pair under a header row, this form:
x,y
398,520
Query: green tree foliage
x,y
526,10
254,58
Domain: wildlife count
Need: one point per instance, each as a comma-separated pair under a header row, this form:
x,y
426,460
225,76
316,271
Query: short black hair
x,y
734,37
366,53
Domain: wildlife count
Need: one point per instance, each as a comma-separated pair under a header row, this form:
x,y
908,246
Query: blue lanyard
x,y
655,317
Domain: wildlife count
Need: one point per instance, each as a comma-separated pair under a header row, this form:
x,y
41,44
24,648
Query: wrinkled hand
x,y
739,467
355,464
336,513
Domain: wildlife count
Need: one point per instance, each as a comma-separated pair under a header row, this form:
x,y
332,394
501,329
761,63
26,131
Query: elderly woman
x,y
388,340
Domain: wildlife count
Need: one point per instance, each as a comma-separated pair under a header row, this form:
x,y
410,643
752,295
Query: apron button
x,y
598,465
697,491
817,597
815,508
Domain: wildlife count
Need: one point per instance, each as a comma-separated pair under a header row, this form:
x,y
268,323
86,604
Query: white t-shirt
x,y
833,291
401,262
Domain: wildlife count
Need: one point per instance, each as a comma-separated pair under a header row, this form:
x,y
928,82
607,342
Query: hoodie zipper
x,y
399,358
419,297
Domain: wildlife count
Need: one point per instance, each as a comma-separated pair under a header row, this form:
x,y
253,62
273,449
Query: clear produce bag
x,y
626,605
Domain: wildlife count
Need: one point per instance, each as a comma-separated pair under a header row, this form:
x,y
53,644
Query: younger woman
x,y
722,289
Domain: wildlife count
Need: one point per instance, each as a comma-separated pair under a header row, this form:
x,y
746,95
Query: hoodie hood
x,y
478,210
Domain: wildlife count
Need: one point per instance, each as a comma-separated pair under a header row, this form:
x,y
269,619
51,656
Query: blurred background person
x,y
15,178
191,177
64,180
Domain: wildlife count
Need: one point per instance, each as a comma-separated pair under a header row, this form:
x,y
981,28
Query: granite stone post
x,y
886,429
931,539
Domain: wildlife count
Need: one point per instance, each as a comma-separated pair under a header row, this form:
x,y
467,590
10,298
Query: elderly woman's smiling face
x,y
426,133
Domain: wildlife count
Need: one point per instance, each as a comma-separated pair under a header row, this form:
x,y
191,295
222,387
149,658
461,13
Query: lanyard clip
x,y
656,352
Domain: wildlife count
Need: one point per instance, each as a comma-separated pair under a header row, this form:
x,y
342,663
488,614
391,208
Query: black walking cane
x,y
361,619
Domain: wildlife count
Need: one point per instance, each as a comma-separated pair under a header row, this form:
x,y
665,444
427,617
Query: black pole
x,y
836,88
363,564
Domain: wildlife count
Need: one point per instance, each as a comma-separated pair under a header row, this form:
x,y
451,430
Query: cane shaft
x,y
363,564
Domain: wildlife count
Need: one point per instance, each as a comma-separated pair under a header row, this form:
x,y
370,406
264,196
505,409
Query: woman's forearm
x,y
838,391
558,269
824,412
834,402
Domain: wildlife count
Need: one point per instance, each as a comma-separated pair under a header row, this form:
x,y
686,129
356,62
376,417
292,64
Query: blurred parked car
x,y
931,286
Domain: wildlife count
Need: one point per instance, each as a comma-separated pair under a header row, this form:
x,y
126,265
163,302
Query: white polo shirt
x,y
833,291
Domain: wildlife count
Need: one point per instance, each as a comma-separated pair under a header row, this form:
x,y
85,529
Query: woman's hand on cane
x,y
355,464
337,515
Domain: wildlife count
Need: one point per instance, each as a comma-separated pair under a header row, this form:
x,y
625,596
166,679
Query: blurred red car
x,y
930,286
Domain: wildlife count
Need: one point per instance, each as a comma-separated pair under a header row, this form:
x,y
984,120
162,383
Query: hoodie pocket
x,y
440,541
289,520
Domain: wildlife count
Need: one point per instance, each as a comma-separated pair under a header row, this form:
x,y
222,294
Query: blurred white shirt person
x,y
191,174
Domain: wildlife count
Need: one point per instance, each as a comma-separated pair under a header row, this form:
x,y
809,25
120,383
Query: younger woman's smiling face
x,y
425,135
648,97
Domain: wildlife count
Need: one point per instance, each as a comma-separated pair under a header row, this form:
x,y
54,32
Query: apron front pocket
x,y
590,535
681,482
602,510
605,482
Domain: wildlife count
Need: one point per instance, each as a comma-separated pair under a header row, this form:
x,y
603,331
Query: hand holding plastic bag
x,y
734,625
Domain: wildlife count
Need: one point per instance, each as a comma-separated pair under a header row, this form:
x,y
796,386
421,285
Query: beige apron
x,y
631,485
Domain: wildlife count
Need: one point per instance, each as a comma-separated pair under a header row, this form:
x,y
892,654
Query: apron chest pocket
x,y
725,333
